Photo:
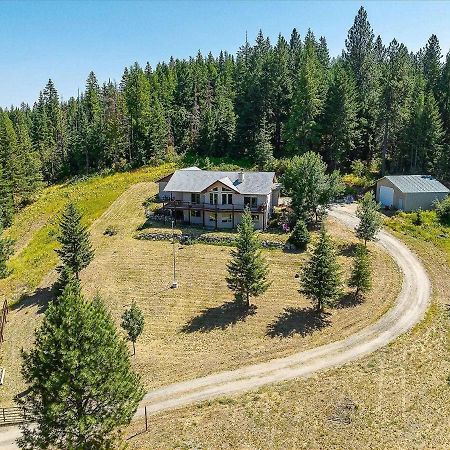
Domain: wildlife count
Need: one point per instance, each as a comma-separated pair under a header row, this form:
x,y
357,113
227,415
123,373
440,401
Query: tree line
x,y
376,102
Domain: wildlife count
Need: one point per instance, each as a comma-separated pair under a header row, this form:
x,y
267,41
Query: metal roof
x,y
416,183
195,180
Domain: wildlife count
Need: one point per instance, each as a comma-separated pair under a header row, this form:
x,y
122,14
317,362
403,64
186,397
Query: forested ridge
x,y
377,102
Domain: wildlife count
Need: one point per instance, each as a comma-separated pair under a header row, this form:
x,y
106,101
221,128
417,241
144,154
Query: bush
x,y
418,218
443,211
300,235
110,231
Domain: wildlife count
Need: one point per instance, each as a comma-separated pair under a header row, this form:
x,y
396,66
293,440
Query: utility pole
x,y
174,282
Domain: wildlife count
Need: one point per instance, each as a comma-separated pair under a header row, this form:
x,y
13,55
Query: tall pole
x,y
174,282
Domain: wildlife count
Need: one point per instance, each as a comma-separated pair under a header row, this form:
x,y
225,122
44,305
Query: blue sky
x,y
65,40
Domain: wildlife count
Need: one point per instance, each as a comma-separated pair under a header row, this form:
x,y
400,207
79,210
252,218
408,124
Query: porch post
x,y
203,214
233,216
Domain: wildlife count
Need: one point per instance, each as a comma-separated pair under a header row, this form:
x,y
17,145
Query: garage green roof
x,y
416,183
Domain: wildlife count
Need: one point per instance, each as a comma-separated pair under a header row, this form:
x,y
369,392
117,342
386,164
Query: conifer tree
x,y
6,200
321,279
263,148
66,277
300,235
370,220
81,387
247,270
6,250
361,275
76,251
341,129
133,323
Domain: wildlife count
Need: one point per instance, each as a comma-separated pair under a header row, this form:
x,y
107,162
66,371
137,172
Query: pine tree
x,y
432,67
361,276
341,129
76,250
370,220
133,323
321,280
6,250
263,148
300,235
81,387
66,277
303,127
6,200
247,270
360,56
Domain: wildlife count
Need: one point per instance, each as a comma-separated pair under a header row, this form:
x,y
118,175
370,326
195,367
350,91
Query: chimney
x,y
241,175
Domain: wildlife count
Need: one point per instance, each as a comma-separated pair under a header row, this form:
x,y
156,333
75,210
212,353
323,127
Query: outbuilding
x,y
410,192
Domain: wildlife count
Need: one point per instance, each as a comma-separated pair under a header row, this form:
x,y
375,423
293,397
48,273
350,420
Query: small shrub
x,y
300,235
418,218
110,231
443,211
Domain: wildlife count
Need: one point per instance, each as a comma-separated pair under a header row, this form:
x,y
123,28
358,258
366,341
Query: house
x,y
217,199
410,192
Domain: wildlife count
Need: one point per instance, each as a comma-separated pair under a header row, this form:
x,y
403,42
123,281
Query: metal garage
x,y
410,192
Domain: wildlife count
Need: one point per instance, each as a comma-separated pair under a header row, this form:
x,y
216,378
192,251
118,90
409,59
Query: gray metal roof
x,y
195,180
416,183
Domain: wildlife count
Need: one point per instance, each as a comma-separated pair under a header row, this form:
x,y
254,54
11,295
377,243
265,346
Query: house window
x,y
250,201
213,198
195,198
195,214
212,217
227,218
255,217
227,199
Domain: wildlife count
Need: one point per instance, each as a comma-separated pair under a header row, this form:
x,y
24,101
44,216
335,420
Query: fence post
x,y
24,413
146,421
4,418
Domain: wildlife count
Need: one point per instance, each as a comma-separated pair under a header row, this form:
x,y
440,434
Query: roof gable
x,y
187,180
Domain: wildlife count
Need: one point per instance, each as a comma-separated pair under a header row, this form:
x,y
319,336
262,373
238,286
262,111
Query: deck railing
x,y
14,415
179,204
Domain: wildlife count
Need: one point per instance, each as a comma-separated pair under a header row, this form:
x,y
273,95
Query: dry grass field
x,y
192,331
396,398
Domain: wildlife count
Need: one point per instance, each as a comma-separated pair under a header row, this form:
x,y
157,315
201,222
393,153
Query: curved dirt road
x,y
408,310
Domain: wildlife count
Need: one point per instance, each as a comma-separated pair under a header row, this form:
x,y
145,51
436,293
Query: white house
x,y
217,199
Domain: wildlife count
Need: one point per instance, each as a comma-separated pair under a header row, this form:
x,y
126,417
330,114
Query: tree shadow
x,y
348,249
218,317
40,298
301,321
349,300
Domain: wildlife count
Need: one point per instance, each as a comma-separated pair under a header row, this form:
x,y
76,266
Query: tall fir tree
x,y
75,249
361,275
321,279
81,386
370,221
6,200
247,270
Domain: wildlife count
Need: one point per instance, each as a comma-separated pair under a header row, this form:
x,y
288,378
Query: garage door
x,y
386,196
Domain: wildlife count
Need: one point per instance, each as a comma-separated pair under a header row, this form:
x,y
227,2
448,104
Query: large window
x,y
251,201
227,218
195,214
213,198
255,217
195,198
212,217
227,199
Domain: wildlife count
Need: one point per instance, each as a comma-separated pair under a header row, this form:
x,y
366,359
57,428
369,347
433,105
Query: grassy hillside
x,y
429,231
35,227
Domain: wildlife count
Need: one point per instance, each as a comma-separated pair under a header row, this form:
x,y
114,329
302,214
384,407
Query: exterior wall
x,y
411,200
422,200
275,197
162,186
398,195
